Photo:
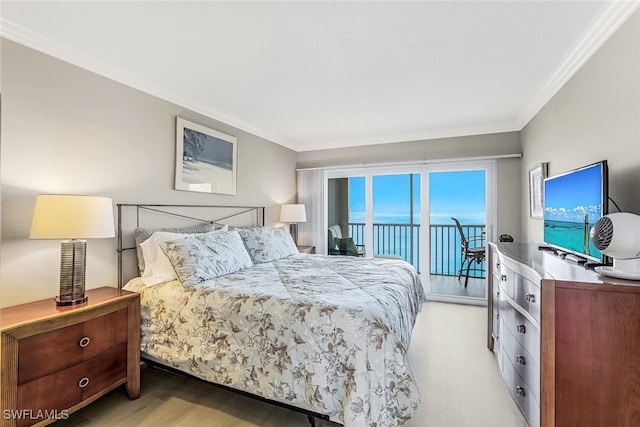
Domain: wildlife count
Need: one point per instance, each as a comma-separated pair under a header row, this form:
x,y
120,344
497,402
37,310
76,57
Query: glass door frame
x,y
489,167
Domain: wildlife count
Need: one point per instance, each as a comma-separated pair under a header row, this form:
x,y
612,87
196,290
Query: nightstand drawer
x,y
73,385
49,352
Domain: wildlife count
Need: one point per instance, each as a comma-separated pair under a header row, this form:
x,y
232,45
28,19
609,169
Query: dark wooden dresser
x,y
567,339
56,360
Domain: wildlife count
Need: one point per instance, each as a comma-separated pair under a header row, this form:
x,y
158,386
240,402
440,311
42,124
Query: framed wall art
x,y
536,190
206,159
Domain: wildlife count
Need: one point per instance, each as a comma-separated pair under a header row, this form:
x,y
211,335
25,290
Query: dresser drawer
x,y
50,352
526,364
495,259
496,301
524,331
521,393
70,386
527,295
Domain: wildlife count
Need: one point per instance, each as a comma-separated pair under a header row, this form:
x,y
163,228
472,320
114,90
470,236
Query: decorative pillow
x,y
266,244
202,257
141,234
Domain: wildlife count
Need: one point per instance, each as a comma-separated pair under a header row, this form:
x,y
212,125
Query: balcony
x,y
403,240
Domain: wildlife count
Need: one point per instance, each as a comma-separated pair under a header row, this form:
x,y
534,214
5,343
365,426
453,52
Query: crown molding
x,y
611,18
457,132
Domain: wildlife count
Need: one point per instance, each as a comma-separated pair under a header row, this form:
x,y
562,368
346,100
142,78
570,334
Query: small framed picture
x,y
536,190
206,159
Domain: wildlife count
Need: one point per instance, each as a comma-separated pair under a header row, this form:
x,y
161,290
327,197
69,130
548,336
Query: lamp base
x,y
72,302
293,230
72,272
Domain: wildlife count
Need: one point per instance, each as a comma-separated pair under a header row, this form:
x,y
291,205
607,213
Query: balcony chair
x,y
471,253
339,245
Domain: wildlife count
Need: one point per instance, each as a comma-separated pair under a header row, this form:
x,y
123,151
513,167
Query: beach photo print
x,y
205,159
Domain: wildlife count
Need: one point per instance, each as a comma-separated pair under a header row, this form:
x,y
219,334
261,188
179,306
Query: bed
x,y
324,334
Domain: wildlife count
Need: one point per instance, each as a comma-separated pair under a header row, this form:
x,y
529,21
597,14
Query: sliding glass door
x,y
381,208
462,192
406,213
396,216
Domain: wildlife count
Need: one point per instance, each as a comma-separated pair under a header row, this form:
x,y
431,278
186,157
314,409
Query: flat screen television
x,y
573,202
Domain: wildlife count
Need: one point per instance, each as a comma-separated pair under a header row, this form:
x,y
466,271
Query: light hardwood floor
x,y
458,376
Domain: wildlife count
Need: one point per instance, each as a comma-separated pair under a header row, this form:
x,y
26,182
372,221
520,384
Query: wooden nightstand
x,y
57,359
307,249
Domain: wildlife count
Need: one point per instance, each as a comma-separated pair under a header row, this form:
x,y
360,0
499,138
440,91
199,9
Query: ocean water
x,y
440,218
445,249
570,235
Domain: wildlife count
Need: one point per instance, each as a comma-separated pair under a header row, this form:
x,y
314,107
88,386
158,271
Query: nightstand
x,y
58,359
307,249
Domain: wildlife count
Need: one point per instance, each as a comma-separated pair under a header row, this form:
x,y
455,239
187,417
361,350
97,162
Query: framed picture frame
x,y
536,190
206,159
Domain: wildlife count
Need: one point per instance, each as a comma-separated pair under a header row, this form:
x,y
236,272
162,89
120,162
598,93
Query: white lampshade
x,y
72,217
293,213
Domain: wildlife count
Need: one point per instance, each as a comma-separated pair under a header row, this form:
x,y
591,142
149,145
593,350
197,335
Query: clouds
x,y
576,214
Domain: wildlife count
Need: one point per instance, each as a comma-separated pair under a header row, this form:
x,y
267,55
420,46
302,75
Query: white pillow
x,y
158,268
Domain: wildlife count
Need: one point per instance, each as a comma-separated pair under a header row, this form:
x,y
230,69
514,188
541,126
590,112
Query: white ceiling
x,y
312,75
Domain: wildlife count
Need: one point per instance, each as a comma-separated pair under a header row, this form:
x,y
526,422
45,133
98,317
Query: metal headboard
x,y
174,211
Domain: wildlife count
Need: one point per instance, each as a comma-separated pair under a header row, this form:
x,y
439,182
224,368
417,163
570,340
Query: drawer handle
x,y
521,328
497,265
531,298
521,359
503,277
84,381
84,341
520,391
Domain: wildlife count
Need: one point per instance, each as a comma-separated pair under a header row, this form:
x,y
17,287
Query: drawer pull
x,y
531,298
84,341
503,277
520,391
521,328
521,359
84,381
497,265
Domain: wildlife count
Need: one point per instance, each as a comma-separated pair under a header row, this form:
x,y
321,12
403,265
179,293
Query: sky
x,y
451,194
571,196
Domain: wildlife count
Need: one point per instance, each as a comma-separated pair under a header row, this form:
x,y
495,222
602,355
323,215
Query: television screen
x,y
573,202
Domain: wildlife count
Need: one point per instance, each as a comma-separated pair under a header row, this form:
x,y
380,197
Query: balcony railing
x,y
403,240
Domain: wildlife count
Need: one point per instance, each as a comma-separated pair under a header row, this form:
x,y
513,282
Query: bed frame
x,y
190,215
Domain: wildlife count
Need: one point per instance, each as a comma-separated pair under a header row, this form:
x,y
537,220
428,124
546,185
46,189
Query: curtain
x,y
312,192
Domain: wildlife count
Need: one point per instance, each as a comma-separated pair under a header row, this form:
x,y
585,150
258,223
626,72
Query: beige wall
x,y
507,170
66,130
595,116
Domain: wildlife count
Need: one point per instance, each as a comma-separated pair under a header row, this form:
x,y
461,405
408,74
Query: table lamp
x,y
293,214
72,218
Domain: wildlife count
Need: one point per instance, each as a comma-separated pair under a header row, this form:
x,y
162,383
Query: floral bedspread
x,y
325,333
